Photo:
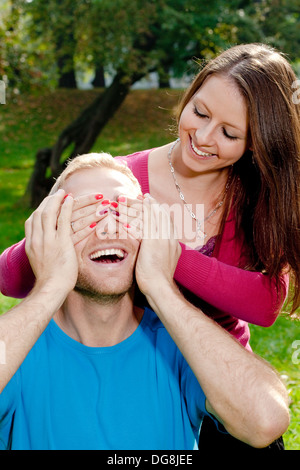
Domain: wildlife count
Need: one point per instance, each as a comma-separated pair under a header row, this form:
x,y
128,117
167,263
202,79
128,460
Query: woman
x,y
238,156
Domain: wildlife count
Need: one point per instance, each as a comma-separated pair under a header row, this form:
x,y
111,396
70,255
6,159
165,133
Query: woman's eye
x,y
198,113
231,137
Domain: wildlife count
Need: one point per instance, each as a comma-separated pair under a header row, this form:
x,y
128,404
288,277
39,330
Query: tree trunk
x,y
164,77
65,50
81,134
99,79
67,80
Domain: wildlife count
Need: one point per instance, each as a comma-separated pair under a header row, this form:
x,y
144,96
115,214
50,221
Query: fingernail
x,y
114,204
69,194
127,226
93,225
104,211
116,213
99,196
122,199
105,202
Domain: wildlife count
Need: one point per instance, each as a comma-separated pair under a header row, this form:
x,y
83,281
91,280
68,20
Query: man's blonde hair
x,y
93,160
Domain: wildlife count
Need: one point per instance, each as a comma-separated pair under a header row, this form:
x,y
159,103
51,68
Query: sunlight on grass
x,y
275,344
6,303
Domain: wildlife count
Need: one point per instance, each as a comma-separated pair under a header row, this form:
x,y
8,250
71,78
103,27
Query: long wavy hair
x,y
265,185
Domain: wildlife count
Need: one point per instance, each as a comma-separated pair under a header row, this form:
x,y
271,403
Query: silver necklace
x,y
200,234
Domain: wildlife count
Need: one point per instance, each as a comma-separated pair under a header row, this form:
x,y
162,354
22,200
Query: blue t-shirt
x,y
138,394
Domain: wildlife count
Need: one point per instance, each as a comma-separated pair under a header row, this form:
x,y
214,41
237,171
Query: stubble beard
x,y
93,292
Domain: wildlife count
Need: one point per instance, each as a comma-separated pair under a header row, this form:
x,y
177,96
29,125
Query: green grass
x,y
277,345
143,121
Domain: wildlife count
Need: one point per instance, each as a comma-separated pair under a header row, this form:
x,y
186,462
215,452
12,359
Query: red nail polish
x,y
93,225
69,194
99,196
127,226
104,211
122,199
105,202
114,204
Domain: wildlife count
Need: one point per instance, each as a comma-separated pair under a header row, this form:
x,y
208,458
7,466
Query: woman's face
x,y
213,127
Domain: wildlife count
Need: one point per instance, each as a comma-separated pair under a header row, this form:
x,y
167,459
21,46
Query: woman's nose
x,y
205,135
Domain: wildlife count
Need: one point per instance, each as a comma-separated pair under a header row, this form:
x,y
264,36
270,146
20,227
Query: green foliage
x,y
276,22
25,63
42,39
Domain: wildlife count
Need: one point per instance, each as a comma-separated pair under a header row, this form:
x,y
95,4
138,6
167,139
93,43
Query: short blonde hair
x,y
93,160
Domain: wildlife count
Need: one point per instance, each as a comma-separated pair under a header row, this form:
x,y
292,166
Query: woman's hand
x,y
87,211
49,244
159,250
90,209
131,215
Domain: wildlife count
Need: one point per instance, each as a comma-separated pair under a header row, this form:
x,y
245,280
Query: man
x,y
87,369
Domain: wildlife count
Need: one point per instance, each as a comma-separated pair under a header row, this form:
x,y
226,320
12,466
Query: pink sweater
x,y
230,295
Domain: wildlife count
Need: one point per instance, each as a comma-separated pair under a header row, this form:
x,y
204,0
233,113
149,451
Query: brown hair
x,y
266,180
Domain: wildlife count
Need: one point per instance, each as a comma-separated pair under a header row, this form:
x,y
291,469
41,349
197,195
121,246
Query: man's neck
x,y
98,325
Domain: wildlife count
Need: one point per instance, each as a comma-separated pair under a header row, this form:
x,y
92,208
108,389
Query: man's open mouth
x,y
112,255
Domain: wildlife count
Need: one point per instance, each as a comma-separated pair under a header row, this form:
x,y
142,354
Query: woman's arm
x,y
16,276
249,296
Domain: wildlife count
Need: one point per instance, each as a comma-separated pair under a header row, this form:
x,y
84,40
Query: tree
x,y
138,37
56,21
22,61
148,32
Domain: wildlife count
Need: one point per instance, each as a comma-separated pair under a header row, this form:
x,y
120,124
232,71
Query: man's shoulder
x,y
156,329
152,321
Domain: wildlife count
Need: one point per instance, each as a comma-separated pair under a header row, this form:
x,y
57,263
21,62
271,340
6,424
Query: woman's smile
x,y
213,126
200,153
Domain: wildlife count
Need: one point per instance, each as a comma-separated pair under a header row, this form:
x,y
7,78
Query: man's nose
x,y
108,227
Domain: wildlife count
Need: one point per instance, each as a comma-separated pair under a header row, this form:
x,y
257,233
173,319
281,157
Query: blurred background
x,y
105,75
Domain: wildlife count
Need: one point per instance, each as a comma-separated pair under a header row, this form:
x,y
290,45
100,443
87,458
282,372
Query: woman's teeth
x,y
198,152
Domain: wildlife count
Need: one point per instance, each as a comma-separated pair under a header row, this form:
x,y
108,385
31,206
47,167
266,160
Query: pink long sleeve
x,y
249,296
16,276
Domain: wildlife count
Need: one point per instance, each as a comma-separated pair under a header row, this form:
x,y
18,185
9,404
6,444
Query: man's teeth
x,y
198,152
113,251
